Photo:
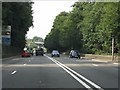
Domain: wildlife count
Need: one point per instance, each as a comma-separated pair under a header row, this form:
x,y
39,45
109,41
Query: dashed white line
x,y
94,64
115,63
13,72
99,60
15,59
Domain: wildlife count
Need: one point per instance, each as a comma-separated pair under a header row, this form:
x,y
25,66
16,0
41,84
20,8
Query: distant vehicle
x,y
74,54
31,52
25,54
55,53
40,52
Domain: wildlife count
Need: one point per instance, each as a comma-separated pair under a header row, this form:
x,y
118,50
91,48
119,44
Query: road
x,y
64,72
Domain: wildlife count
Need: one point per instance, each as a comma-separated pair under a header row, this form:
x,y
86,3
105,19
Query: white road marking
x,y
16,59
13,72
24,64
96,86
115,63
99,60
95,65
75,77
73,73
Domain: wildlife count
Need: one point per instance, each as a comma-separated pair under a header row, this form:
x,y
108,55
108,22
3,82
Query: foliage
x,y
37,39
89,27
19,16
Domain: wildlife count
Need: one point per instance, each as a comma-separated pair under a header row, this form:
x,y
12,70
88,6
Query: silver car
x,y
74,54
55,53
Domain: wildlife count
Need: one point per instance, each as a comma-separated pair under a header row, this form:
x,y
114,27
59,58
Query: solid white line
x,y
94,64
13,72
95,85
75,77
24,64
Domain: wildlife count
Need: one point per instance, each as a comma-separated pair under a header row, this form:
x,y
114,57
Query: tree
x,y
37,39
19,16
89,27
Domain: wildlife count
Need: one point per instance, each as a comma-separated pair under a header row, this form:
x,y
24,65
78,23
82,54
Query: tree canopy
x,y
89,27
19,16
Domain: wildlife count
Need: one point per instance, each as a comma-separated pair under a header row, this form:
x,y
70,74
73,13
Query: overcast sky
x,y
44,15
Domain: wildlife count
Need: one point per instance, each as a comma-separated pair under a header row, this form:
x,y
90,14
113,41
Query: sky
x,y
44,13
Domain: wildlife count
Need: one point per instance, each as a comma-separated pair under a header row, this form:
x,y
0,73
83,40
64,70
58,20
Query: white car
x,y
55,53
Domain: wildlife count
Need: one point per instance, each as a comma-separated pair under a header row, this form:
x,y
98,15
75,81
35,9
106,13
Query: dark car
x,y
74,54
25,54
55,53
40,52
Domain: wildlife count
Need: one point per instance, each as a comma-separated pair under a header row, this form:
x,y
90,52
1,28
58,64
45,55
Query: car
x,y
74,54
31,52
40,52
55,53
25,54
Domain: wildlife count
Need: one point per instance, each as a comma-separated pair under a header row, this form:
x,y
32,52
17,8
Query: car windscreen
x,y
55,52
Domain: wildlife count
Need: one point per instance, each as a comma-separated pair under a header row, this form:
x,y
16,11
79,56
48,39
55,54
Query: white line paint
x,y
24,64
13,72
75,77
95,65
115,63
95,85
15,59
99,60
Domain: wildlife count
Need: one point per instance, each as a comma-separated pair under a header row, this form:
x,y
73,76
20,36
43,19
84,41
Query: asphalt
x,y
44,72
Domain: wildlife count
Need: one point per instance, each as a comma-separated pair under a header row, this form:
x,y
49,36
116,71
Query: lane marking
x,y
115,63
75,77
90,82
13,72
67,68
95,65
99,60
24,64
15,59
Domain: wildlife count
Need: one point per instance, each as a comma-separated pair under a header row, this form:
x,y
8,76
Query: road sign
x,y
6,40
6,35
